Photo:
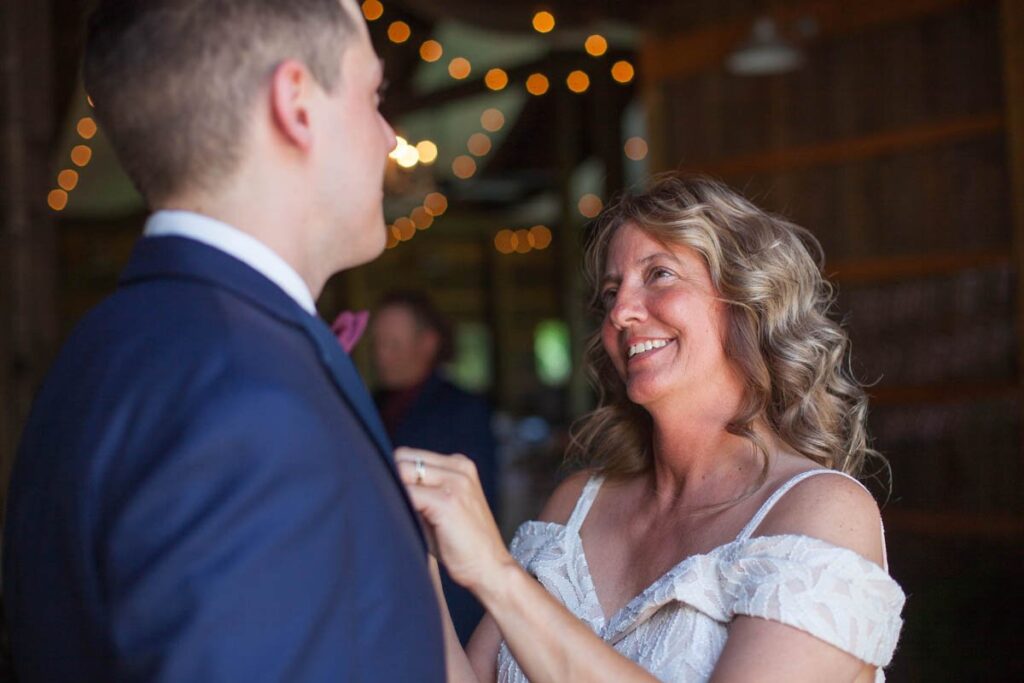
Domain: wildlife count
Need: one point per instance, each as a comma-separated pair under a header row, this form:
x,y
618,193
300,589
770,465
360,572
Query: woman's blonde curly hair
x,y
794,359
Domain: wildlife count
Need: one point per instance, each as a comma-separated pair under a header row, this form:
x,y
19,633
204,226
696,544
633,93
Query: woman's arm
x,y
550,644
832,509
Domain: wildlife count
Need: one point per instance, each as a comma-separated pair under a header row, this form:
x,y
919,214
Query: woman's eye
x,y
608,296
658,273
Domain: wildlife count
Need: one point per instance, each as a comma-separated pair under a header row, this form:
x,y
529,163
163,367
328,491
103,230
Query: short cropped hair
x,y
426,316
793,357
173,81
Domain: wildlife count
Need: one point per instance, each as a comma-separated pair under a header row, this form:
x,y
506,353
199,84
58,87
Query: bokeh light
x,y
578,81
463,166
431,51
622,71
435,203
636,148
540,237
427,151
86,127
399,32
459,68
543,22
372,10
81,155
596,45
57,199
492,120
590,205
505,241
421,218
405,228
478,144
67,179
523,241
537,84
496,79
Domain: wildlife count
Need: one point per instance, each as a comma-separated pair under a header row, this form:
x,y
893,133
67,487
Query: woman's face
x,y
663,326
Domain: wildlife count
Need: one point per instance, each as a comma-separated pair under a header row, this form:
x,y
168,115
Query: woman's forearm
x,y
550,644
456,662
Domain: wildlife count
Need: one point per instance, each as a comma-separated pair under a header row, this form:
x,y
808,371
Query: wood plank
x,y
954,524
883,395
914,266
1012,20
690,52
854,149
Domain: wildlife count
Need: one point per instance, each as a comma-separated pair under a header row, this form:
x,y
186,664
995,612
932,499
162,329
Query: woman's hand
x,y
446,491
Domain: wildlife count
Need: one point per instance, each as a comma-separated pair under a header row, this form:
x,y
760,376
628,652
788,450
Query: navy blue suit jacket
x,y
204,492
446,419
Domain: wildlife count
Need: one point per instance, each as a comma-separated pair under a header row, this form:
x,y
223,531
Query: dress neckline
x,y
610,624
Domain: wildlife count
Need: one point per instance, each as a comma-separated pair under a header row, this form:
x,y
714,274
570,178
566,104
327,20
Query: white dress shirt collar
x,y
233,242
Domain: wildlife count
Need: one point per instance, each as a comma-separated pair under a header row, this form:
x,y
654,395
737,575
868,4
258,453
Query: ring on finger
x,y
421,470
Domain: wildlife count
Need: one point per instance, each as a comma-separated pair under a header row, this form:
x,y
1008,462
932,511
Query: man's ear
x,y
291,95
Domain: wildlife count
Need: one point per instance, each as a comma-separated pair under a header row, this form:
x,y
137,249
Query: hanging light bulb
x,y
765,53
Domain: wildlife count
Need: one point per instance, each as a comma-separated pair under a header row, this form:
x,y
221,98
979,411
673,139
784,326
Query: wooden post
x,y
27,253
1012,21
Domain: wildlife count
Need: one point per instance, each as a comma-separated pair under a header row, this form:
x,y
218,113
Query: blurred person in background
x,y
420,408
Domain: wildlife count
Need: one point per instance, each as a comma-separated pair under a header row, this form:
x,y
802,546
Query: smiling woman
x,y
702,542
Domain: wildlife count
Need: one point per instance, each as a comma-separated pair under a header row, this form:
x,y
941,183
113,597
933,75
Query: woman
x,y
718,533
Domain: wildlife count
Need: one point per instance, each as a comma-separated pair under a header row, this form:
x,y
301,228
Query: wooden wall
x,y
892,144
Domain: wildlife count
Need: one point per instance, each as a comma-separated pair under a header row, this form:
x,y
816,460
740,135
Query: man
x,y
204,491
423,410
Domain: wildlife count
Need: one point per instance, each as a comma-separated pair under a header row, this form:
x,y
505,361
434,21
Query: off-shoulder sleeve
x,y
830,592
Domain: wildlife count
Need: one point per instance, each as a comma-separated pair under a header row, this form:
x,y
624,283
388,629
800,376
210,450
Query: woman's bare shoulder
x,y
832,508
561,503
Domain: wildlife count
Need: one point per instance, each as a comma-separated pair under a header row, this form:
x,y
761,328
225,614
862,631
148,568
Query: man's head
x,y
252,100
409,339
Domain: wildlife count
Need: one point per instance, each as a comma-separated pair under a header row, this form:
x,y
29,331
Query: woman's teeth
x,y
641,347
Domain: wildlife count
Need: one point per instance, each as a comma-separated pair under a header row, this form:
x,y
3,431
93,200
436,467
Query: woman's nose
x,y
627,308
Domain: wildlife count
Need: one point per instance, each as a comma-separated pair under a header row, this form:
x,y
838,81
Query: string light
x,y
405,154
636,148
540,237
421,218
57,199
405,229
590,205
86,127
372,10
622,71
505,241
578,81
67,179
537,84
595,45
496,79
427,151
399,32
435,204
463,166
459,68
479,144
543,22
81,155
523,241
492,120
431,51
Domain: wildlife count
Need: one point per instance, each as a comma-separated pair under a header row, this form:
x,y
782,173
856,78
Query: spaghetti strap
x,y
759,516
583,503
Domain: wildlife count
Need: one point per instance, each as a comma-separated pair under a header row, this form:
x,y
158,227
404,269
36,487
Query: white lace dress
x,y
676,628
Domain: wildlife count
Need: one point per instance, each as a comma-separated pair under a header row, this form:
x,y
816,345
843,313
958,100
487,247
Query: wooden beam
x,y
687,53
854,149
955,524
914,266
27,240
1012,24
